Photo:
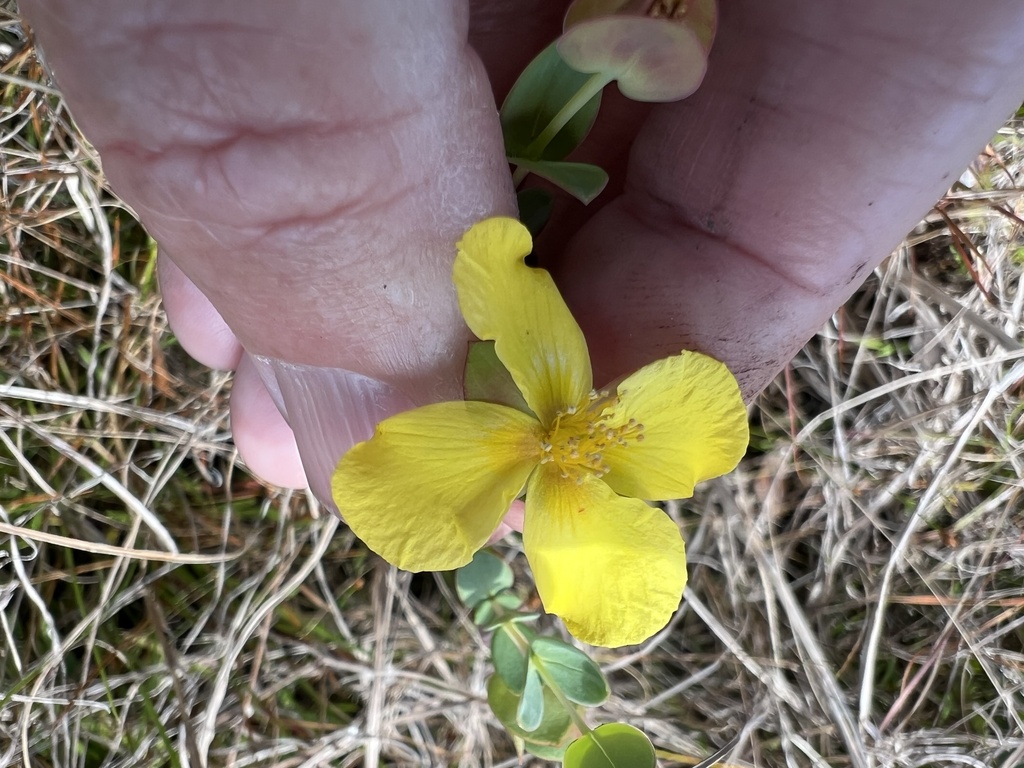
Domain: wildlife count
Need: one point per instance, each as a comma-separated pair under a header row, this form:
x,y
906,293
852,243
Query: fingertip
x,y
511,523
196,323
515,517
330,410
264,440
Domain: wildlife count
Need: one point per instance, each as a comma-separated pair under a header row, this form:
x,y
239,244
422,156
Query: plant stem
x,y
569,707
523,643
518,175
593,86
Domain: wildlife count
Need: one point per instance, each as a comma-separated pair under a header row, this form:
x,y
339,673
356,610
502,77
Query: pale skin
x,y
307,168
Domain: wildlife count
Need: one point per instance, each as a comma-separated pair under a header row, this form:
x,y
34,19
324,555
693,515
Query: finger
x,y
196,324
331,153
310,167
507,34
756,207
329,410
511,523
264,440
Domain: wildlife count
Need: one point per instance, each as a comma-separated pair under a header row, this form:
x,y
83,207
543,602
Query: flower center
x,y
579,436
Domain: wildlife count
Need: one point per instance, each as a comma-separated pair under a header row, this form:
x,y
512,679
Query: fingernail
x,y
330,410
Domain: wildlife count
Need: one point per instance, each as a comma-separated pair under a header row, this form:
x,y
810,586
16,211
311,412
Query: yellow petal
x,y
431,485
612,568
519,307
694,427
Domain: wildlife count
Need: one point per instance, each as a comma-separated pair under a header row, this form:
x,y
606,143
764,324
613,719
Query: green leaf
x,y
581,180
484,576
699,15
545,87
555,732
615,745
509,660
575,673
531,705
509,618
495,608
486,379
653,59
535,207
546,751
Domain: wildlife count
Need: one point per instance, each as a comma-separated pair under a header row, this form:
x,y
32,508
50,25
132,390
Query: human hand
x,y
307,170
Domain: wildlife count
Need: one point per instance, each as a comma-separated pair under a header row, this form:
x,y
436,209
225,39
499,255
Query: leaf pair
x,y
540,684
539,687
542,97
656,51
545,659
485,586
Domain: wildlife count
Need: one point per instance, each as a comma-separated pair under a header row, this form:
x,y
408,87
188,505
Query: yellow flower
x,y
427,490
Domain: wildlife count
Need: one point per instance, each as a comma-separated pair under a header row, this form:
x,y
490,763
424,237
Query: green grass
x,y
288,648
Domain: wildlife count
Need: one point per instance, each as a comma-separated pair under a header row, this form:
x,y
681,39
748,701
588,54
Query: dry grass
x,y
856,586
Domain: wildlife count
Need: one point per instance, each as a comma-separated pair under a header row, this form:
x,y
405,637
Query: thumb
x,y
327,409
309,169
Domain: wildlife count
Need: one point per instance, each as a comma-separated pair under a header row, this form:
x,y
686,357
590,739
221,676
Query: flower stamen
x,y
580,433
